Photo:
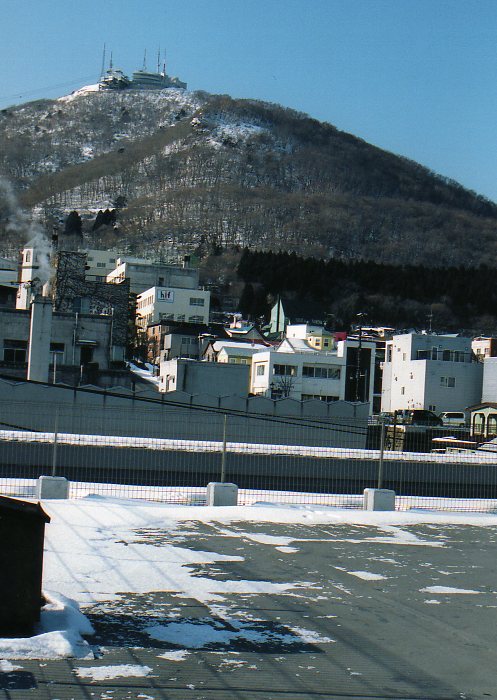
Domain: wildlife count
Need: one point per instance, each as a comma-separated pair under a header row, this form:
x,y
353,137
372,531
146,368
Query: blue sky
x,y
416,77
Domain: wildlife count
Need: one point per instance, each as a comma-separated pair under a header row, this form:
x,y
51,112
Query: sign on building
x,y
165,295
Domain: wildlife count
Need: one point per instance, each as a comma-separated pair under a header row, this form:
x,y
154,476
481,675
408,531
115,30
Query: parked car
x,y
418,416
455,419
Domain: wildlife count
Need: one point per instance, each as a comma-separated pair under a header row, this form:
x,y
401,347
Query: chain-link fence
x,y
132,448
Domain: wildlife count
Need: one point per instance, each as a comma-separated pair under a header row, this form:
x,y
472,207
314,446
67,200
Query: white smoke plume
x,y
18,221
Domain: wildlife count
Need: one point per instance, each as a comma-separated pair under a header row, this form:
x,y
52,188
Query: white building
x,y
298,371
35,271
99,263
172,304
433,372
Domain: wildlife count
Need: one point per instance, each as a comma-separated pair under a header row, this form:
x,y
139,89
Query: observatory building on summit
x,y
142,79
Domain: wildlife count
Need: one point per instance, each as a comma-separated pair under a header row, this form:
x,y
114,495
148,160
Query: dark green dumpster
x,y
22,532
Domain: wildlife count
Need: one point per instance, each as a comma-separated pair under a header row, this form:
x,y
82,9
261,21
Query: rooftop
x,y
261,602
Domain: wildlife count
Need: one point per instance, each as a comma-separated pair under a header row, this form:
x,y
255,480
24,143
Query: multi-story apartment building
x,y
433,372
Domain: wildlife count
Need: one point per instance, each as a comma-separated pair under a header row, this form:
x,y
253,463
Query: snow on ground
x,y
103,673
366,575
178,655
147,373
87,89
175,96
58,634
111,559
197,635
477,458
228,132
96,549
448,590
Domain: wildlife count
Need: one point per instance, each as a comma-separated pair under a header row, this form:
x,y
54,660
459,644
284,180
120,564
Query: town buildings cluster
x,y
78,316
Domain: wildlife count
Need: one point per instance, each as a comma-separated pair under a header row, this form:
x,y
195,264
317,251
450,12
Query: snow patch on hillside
x,y
85,90
228,133
182,99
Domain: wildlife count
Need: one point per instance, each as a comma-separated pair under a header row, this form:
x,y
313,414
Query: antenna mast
x,y
158,60
102,72
145,60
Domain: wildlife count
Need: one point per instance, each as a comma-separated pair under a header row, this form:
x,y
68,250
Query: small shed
x,y
22,533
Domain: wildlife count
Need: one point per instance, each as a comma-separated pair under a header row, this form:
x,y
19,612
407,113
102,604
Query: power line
x,y
56,86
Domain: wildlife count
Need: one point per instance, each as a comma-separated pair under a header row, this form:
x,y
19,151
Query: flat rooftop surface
x,y
333,610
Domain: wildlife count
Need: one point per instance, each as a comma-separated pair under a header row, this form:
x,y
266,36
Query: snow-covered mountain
x,y
201,171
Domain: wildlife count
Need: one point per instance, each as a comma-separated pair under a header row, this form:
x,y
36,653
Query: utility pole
x,y
358,393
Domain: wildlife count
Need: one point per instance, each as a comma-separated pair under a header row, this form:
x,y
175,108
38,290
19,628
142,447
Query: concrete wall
x,y
34,406
489,390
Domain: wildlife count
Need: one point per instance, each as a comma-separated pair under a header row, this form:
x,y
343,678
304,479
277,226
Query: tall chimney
x,y
39,339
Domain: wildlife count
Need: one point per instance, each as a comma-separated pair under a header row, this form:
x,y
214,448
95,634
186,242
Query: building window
x,y
448,382
402,390
434,353
15,350
196,319
285,370
197,301
180,317
432,407
28,256
446,355
165,317
57,352
100,264
321,372
260,369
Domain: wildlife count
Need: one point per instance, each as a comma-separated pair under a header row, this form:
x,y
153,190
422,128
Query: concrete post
x,y
221,494
379,499
52,487
39,339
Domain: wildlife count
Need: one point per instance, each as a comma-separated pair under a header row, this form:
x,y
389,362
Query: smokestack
x,y
39,340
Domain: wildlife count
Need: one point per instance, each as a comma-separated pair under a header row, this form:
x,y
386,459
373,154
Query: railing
x,y
169,452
